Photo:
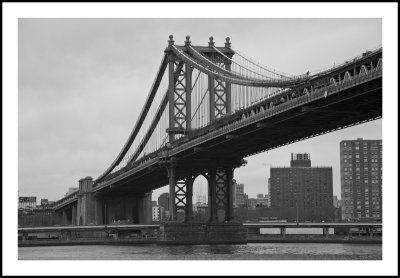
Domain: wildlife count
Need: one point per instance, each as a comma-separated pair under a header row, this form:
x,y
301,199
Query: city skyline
x,y
93,77
258,166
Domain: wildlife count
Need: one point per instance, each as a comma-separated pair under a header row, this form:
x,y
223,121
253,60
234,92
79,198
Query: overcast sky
x,y
83,82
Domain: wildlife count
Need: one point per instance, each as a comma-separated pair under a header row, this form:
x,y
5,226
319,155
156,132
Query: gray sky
x,y
83,82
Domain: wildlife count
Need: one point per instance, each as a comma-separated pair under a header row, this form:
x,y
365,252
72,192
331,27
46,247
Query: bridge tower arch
x,y
200,198
219,176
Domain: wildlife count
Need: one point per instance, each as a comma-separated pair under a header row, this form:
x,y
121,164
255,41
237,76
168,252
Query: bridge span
x,y
220,107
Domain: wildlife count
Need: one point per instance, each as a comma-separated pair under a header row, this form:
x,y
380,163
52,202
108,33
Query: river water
x,y
251,251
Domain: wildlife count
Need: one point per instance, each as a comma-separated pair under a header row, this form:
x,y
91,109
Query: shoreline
x,y
37,243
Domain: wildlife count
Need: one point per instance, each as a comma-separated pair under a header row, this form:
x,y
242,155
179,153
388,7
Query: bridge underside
x,y
345,109
349,107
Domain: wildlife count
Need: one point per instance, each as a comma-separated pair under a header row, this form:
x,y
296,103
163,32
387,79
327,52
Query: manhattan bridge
x,y
208,108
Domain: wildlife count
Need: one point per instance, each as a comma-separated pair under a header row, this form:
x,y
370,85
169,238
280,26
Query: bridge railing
x,y
66,200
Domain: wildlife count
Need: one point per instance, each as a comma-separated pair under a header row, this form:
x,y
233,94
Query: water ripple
x,y
251,251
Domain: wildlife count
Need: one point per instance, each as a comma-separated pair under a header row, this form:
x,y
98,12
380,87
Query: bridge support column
x,y
221,194
172,185
229,206
98,211
212,201
74,214
144,208
64,217
129,210
180,196
189,201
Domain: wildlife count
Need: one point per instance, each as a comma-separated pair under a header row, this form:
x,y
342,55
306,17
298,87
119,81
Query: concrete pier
x,y
196,233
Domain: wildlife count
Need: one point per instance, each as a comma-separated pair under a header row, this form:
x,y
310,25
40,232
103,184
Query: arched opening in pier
x,y
200,199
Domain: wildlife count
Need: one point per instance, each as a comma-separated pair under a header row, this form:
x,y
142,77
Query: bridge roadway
x,y
327,107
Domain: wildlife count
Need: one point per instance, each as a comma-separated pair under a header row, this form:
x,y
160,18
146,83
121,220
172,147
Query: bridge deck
x,y
322,111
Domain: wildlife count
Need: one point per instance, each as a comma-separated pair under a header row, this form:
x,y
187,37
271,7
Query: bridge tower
x,y
219,175
180,85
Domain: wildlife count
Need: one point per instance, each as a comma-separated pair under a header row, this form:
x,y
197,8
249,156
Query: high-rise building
x,y
238,194
163,201
269,192
158,213
361,178
301,192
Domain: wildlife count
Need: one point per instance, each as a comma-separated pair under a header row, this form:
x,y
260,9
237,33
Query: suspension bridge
x,y
208,108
